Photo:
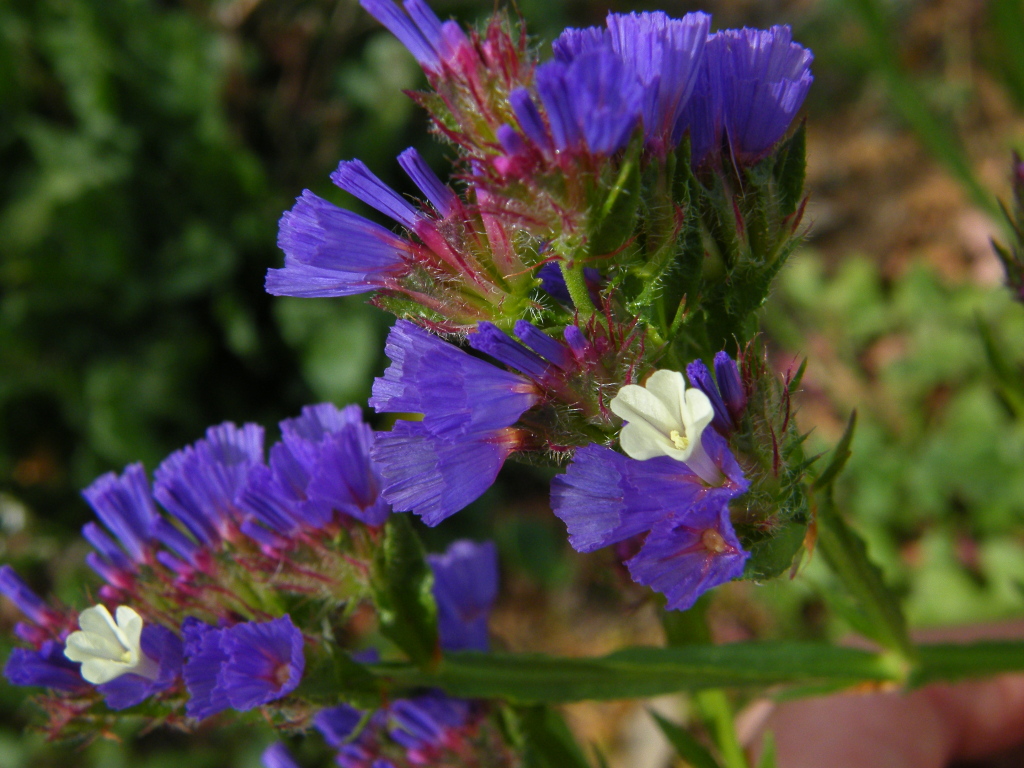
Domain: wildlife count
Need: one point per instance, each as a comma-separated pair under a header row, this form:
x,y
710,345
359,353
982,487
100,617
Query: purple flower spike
x,y
529,119
204,659
730,384
355,178
453,390
685,557
593,100
333,252
438,193
268,503
317,422
163,647
429,40
28,602
700,377
763,77
465,588
544,345
436,475
199,483
577,342
346,479
421,724
47,667
264,662
572,43
322,465
725,390
125,506
176,540
337,724
665,56
277,756
493,341
605,497
240,667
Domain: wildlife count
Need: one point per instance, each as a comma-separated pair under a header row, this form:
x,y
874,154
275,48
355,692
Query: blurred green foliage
x,y
935,480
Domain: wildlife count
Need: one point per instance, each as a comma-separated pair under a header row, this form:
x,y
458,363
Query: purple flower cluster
x,y
669,76
680,523
223,513
242,666
436,466
688,545
420,729
219,492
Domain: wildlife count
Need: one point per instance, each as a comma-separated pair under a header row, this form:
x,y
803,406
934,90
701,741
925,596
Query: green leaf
x,y
686,746
847,556
402,585
839,456
643,672
1010,381
942,662
546,740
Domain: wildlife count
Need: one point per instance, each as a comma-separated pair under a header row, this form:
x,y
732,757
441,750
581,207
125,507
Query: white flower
x,y
664,418
109,649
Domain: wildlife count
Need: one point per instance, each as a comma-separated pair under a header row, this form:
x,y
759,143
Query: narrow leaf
x,y
847,555
402,586
547,740
955,662
767,759
685,745
839,456
643,672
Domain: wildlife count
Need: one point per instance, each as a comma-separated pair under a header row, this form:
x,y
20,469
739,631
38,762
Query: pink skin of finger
x,y
927,728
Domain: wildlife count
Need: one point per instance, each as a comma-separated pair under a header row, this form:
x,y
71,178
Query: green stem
x,y
717,711
575,281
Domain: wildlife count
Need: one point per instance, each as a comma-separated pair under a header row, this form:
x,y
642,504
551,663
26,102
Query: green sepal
x,y
402,585
773,555
686,746
791,170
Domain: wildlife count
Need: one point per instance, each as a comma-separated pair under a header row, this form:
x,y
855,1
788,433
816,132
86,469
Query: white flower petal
x,y
109,649
98,621
663,418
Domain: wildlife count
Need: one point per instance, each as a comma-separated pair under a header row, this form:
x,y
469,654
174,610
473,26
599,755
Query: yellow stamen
x,y
678,440
713,541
